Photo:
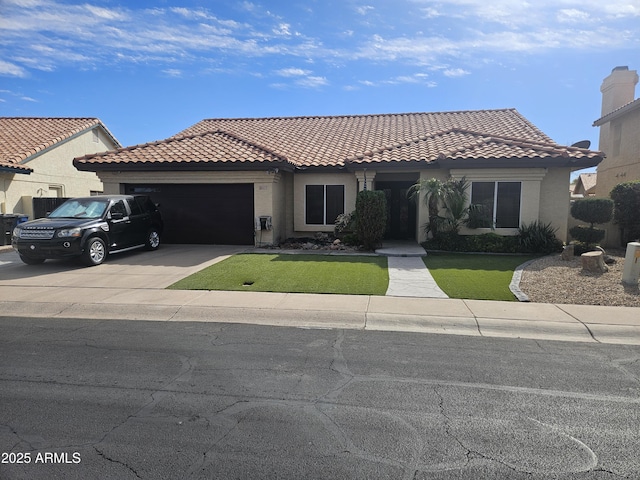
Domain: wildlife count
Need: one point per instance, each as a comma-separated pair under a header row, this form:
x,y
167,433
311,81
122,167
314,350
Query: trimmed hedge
x,y
533,238
371,213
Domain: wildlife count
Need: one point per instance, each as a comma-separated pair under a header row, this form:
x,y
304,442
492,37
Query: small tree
x,y
434,192
626,213
371,211
450,195
593,211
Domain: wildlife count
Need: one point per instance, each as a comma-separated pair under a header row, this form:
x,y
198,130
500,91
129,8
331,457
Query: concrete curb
x,y
514,286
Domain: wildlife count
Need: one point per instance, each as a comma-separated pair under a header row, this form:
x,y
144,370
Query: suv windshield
x,y
80,208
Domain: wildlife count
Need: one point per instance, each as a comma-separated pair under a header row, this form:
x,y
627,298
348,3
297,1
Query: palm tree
x,y
434,192
452,195
455,203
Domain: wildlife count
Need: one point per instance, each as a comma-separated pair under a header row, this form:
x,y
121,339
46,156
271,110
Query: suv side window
x,y
134,206
119,207
145,204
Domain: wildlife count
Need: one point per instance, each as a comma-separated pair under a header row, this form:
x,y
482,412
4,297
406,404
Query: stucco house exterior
x,y
261,180
619,137
619,131
36,159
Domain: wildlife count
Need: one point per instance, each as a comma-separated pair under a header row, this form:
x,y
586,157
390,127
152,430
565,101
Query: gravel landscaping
x,y
553,280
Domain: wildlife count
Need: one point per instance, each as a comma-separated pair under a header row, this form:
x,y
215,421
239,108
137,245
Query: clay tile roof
x,y
201,148
588,181
338,141
21,138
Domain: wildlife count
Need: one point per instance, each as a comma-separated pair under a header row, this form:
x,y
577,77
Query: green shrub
x,y
492,243
371,210
486,242
592,210
626,213
538,237
587,235
345,224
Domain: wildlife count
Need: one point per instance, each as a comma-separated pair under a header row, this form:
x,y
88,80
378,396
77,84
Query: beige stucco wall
x,y
300,180
621,145
554,200
53,174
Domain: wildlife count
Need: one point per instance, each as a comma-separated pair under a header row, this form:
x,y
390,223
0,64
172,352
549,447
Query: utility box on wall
x,y
631,271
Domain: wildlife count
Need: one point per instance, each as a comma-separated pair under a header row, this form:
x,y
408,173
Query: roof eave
x,y
629,107
542,162
181,166
21,170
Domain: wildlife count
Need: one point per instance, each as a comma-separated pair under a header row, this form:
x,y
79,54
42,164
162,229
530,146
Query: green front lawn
x,y
478,277
351,275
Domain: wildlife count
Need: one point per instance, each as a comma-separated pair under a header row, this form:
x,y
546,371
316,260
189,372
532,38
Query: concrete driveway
x,y
134,269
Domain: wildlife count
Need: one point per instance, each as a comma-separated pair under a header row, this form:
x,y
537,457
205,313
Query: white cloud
x,y
292,72
363,10
455,72
47,34
573,15
312,82
11,70
283,29
173,72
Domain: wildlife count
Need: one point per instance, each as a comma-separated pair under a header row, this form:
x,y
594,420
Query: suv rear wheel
x,y
95,252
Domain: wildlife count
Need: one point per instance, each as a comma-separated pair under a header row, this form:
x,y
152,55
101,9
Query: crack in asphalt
x,y
469,452
128,467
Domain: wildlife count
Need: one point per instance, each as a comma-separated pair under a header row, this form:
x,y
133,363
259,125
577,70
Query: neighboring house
x,y
585,185
36,159
216,179
619,136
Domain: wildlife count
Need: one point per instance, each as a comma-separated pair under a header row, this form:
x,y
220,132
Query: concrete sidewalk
x,y
133,287
576,323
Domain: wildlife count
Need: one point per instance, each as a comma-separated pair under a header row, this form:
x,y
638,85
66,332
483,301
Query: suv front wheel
x,y
153,239
95,252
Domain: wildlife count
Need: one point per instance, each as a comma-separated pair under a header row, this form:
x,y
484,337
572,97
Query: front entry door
x,y
401,211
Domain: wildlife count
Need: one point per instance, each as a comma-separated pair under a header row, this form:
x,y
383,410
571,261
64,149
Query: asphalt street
x,y
114,399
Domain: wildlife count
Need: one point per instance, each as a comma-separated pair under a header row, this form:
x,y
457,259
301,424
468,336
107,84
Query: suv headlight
x,y
16,232
70,232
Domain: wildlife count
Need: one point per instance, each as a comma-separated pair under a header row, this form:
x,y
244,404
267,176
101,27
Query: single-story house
x,y
36,159
261,180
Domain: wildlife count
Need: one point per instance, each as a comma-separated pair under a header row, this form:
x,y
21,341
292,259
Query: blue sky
x,y
151,69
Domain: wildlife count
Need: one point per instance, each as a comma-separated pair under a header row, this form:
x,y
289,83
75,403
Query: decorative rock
x,y
593,262
568,252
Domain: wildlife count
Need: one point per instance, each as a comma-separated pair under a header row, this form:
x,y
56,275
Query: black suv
x,y
90,228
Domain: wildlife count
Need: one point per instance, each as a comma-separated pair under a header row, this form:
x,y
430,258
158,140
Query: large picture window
x,y
323,203
496,204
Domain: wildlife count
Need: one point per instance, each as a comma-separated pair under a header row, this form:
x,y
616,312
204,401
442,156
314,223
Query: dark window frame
x,y
504,203
322,202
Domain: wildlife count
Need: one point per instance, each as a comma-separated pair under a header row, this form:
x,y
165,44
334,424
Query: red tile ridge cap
x,y
385,148
362,115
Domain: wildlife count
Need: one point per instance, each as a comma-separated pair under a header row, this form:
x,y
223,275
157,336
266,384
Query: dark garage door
x,y
219,214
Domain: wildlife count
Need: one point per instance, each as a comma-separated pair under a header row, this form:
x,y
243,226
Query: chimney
x,y
618,89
